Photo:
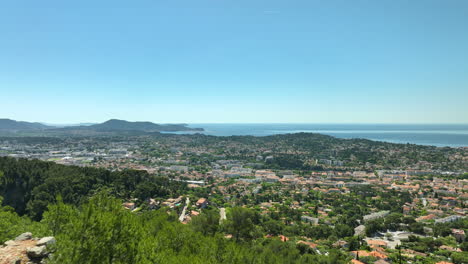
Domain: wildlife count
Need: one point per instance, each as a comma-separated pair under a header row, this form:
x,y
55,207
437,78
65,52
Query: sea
x,y
453,135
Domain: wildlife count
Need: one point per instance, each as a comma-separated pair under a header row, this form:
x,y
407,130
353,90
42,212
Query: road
x,y
222,214
182,215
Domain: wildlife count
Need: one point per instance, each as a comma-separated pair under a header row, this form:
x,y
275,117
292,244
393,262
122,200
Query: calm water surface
x,y
437,135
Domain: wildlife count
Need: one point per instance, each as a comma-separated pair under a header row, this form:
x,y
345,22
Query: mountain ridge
x,y
111,125
10,124
123,125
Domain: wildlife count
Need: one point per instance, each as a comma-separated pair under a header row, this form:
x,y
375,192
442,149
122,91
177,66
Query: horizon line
x,y
242,123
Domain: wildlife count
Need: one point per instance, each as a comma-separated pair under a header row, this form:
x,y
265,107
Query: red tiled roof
x,y
310,244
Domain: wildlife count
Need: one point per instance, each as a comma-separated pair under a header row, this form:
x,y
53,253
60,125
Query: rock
x,y
10,243
17,260
37,252
24,236
45,241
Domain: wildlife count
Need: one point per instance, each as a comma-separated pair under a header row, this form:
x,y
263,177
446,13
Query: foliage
x,y
206,223
460,257
241,223
102,232
12,225
30,185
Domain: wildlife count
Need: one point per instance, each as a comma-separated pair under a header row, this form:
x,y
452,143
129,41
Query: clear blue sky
x,y
390,61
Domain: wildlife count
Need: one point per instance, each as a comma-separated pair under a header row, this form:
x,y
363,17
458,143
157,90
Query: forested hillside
x,y
81,209
100,231
30,185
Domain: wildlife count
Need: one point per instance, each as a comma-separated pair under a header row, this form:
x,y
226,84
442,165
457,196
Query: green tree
x,y
207,222
460,257
342,230
58,216
464,246
273,227
354,243
374,226
417,228
102,232
240,223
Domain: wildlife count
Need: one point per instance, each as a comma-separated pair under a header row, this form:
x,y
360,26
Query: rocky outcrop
x,y
16,260
25,249
37,252
46,241
10,243
24,236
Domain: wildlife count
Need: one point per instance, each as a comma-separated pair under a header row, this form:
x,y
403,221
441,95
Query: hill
x,y
8,124
116,125
113,125
82,208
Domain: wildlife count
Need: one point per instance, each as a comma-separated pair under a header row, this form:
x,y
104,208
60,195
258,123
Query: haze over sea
x,y
455,135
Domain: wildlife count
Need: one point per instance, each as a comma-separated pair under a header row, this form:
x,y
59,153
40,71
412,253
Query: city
x,y
373,212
